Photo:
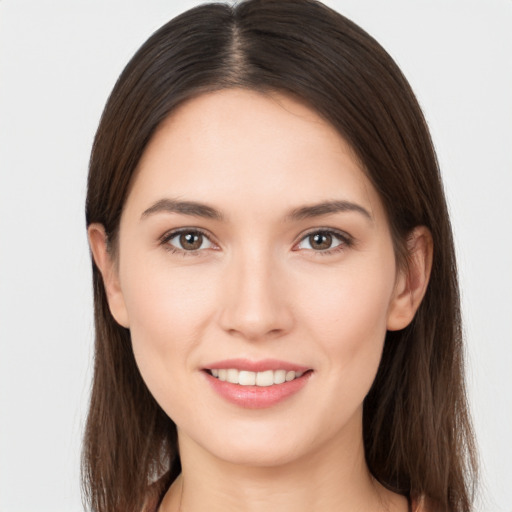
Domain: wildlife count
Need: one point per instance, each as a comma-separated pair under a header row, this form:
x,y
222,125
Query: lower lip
x,y
257,397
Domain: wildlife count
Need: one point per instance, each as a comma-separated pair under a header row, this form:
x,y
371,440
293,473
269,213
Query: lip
x,y
256,366
257,397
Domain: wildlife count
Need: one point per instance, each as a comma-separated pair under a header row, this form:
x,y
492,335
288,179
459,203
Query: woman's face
x,y
253,246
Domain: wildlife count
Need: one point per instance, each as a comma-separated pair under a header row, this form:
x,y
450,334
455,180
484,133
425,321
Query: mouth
x,y
249,378
256,385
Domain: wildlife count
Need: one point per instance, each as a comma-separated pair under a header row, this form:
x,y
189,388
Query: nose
x,y
255,301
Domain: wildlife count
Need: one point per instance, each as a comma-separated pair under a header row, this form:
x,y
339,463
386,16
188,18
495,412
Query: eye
x,y
324,241
187,241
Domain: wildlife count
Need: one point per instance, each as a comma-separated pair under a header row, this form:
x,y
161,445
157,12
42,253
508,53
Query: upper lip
x,y
256,366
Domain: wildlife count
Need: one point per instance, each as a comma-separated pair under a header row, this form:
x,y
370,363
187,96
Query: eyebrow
x,y
197,209
192,208
326,208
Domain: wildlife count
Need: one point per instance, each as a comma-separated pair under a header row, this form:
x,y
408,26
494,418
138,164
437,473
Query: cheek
x,y
347,315
167,311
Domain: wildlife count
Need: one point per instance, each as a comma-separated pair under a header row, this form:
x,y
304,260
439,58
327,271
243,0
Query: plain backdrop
x,y
58,62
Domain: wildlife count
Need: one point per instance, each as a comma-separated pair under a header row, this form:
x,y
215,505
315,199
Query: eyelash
x,y
167,237
345,239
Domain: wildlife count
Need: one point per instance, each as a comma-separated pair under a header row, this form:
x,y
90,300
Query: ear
x,y
412,281
107,267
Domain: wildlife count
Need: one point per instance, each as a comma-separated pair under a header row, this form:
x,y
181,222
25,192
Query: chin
x,y
257,456
252,447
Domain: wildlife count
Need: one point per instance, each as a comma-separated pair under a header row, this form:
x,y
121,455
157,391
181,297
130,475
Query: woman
x,y
276,299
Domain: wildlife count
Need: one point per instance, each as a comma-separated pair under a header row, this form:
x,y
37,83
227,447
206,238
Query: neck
x,y
334,478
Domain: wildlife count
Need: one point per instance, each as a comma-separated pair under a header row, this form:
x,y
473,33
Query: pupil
x,y
191,241
321,241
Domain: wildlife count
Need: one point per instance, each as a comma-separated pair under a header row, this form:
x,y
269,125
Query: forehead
x,y
240,147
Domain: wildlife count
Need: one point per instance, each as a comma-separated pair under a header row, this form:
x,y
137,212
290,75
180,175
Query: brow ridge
x,y
197,209
184,207
326,208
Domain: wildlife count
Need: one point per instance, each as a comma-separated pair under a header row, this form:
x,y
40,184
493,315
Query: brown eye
x,y
191,241
187,241
320,241
324,241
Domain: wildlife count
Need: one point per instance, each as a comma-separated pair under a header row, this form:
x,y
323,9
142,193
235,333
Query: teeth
x,y
232,375
279,376
245,378
263,379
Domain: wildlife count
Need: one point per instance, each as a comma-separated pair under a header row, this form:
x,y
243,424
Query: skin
x,y
258,287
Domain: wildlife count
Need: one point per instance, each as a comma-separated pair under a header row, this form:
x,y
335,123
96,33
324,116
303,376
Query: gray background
x,y
58,62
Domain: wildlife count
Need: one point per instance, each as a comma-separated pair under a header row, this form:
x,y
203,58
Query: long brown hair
x,y
417,433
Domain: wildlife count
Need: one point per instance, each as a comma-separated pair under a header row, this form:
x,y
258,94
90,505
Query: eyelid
x,y
346,240
173,233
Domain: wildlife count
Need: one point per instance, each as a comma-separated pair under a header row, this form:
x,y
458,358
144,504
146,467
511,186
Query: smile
x,y
248,378
256,384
